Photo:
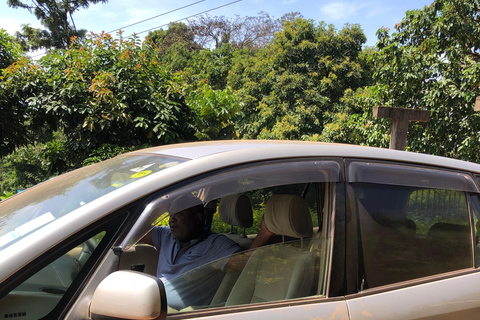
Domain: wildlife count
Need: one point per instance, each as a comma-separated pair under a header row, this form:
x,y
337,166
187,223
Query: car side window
x,y
412,223
296,199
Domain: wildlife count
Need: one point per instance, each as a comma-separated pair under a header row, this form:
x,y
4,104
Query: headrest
x,y
288,215
236,210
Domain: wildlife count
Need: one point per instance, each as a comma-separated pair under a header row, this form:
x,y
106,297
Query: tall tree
x,y
240,32
176,44
57,18
289,87
9,49
13,130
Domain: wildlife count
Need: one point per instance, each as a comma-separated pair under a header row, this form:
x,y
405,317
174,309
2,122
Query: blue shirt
x,y
200,285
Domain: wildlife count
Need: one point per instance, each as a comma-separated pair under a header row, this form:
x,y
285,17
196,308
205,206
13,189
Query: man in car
x,y
186,245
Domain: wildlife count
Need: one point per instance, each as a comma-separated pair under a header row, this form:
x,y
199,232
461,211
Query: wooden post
x,y
477,104
400,119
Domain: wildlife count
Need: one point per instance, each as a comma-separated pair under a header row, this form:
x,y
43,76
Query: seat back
x,y
284,271
449,246
143,258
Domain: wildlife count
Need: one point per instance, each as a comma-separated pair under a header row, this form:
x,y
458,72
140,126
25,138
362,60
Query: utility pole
x,y
400,119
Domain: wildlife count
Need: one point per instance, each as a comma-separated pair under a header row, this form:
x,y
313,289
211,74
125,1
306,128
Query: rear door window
x,y
412,222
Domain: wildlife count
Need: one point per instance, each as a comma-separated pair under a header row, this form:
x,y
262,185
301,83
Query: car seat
x,y
282,271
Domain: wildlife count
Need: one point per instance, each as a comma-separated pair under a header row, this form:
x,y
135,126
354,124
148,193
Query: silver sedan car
x,y
359,233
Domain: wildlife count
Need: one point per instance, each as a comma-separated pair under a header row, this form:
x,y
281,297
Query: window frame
x,y
337,249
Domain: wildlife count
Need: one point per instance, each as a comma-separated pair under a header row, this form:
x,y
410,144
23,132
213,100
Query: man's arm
x,y
237,261
148,238
263,235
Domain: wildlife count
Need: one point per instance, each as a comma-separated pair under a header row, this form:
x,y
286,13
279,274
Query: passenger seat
x,y
279,272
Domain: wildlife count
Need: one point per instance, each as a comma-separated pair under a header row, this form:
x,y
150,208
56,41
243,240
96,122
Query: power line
x,y
166,24
162,14
194,15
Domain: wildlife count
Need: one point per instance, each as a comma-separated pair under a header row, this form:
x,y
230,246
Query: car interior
x,y
288,267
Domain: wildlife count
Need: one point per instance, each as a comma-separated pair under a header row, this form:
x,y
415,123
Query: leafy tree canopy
x,y
289,87
9,50
430,62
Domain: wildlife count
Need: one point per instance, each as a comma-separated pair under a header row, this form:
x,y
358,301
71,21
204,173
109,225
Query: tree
x,y
14,124
432,61
107,90
249,32
56,17
9,50
289,87
176,44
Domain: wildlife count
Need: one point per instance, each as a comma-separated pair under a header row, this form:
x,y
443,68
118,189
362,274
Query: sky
x,y
369,14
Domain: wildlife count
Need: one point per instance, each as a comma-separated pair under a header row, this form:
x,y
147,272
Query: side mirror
x,y
129,295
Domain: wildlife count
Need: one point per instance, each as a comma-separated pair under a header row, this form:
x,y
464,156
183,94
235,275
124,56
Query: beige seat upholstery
x,y
283,271
236,210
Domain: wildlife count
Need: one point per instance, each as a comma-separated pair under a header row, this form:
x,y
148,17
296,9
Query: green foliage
x,y
212,67
9,50
26,167
106,91
176,45
290,78
214,111
18,82
432,62
108,151
289,87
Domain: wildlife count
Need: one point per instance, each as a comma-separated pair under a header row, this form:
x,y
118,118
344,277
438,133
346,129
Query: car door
x,y
290,278
411,242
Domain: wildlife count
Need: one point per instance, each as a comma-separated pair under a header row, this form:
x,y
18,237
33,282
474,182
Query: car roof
x,y
252,150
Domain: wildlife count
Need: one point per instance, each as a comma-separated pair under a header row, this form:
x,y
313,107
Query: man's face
x,y
183,225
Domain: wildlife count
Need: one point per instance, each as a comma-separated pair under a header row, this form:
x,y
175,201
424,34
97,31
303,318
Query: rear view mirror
x,y
129,295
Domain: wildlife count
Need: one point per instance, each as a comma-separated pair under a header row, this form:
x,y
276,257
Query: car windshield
x,y
59,196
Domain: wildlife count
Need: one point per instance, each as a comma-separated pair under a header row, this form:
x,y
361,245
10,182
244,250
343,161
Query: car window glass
x,y
36,297
242,179
259,198
475,208
293,264
271,273
407,232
